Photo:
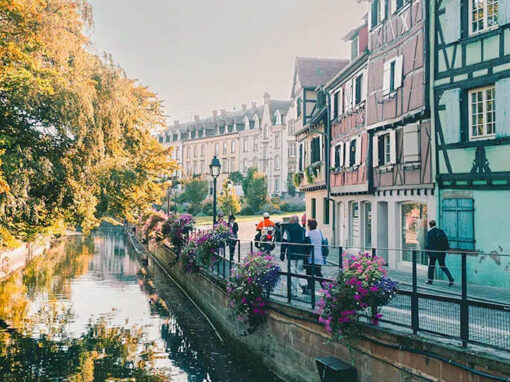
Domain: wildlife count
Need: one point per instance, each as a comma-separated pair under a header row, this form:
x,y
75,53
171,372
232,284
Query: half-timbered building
x,y
398,121
471,73
350,189
311,129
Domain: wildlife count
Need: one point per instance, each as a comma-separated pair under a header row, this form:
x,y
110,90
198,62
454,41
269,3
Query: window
x,y
484,15
482,113
315,150
358,84
377,12
301,157
167,138
265,132
458,222
354,236
178,153
314,208
232,164
202,167
325,207
384,150
195,150
245,144
224,147
292,149
337,155
392,77
160,138
352,152
245,165
216,149
195,168
264,152
277,162
202,150
354,47
335,105
256,143
233,147
414,231
188,152
292,127
277,141
224,165
276,184
299,107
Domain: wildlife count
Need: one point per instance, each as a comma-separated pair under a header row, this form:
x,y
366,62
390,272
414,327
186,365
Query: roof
x,y
313,71
283,106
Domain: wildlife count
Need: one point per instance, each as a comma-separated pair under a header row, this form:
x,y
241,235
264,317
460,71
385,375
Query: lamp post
x,y
214,170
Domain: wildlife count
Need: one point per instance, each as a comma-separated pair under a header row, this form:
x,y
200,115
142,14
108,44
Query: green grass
x,y
207,220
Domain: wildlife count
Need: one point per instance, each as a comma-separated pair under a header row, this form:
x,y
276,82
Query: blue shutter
x,y
503,12
451,21
502,93
458,223
451,123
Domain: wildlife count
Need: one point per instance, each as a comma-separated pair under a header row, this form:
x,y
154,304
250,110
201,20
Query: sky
x,y
204,55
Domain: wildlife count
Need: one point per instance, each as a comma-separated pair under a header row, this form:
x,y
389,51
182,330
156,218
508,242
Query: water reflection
x,y
88,311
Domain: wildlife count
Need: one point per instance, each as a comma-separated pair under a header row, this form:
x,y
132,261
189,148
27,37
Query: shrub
x,y
250,285
271,208
209,243
207,208
188,257
361,288
292,207
247,210
152,225
177,228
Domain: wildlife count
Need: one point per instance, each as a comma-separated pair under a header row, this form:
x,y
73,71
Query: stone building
x,y
252,136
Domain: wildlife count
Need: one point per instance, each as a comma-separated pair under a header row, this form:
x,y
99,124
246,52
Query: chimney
x,y
196,117
253,105
267,98
176,122
244,106
215,113
223,112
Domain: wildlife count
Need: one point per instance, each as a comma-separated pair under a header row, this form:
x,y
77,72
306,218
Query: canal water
x,y
90,311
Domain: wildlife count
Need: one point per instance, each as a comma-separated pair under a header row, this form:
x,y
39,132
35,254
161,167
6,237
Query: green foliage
x,y
236,177
291,188
297,178
292,207
194,193
228,199
248,179
256,196
75,141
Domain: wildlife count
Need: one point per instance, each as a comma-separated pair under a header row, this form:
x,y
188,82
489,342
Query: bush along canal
x,y
89,310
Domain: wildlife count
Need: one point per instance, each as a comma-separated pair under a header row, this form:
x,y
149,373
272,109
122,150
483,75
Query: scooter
x,y
265,240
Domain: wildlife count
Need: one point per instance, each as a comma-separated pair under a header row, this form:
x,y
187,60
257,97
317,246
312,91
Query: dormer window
x,y
278,118
354,47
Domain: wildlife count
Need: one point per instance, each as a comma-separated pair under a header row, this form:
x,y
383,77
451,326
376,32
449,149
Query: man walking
x,y
437,243
293,239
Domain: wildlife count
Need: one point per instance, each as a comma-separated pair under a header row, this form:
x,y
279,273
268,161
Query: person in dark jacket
x,y
294,250
234,227
437,241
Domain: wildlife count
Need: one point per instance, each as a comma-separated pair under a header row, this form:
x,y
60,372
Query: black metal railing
x,y
472,318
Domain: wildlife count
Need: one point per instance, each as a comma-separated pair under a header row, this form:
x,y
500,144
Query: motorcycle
x,y
265,240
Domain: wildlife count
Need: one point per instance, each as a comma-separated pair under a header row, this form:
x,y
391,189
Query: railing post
x,y
251,246
224,258
289,281
464,307
238,251
340,259
312,292
415,324
218,262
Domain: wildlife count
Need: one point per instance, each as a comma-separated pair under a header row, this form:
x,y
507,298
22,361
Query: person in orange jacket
x,y
266,222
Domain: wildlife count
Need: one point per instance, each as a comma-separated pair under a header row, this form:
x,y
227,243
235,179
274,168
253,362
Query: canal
x,y
88,310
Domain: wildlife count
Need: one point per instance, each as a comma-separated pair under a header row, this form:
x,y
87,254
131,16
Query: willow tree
x,y
75,140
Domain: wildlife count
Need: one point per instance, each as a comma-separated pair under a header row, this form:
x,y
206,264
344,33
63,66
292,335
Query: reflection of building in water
x,y
110,259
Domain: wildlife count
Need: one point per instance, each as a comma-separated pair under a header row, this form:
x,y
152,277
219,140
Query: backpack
x,y
325,246
442,241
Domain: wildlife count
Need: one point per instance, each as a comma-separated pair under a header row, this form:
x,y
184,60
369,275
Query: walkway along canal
x,y
89,310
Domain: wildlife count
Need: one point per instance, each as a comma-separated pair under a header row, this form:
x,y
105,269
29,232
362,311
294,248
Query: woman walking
x,y
313,265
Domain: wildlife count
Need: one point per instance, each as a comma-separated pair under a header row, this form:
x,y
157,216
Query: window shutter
x,y
382,10
348,96
340,101
332,106
341,154
358,151
502,94
450,124
364,85
375,151
452,21
393,147
386,78
399,68
503,12
411,143
393,6
353,93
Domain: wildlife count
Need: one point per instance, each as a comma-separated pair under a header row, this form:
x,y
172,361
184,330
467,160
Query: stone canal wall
x,y
13,259
291,339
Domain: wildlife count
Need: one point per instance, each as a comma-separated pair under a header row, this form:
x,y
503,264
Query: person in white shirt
x,y
314,237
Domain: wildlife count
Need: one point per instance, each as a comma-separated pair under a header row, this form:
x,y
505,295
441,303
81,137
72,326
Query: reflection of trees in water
x,y
102,352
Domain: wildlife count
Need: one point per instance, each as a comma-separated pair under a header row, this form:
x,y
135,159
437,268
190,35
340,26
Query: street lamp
x,y
214,170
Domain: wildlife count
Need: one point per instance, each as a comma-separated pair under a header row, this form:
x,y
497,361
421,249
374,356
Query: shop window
x,y
414,231
314,208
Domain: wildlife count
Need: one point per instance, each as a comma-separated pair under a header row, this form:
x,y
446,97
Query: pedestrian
x,y
303,220
220,218
234,228
295,251
315,259
437,243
